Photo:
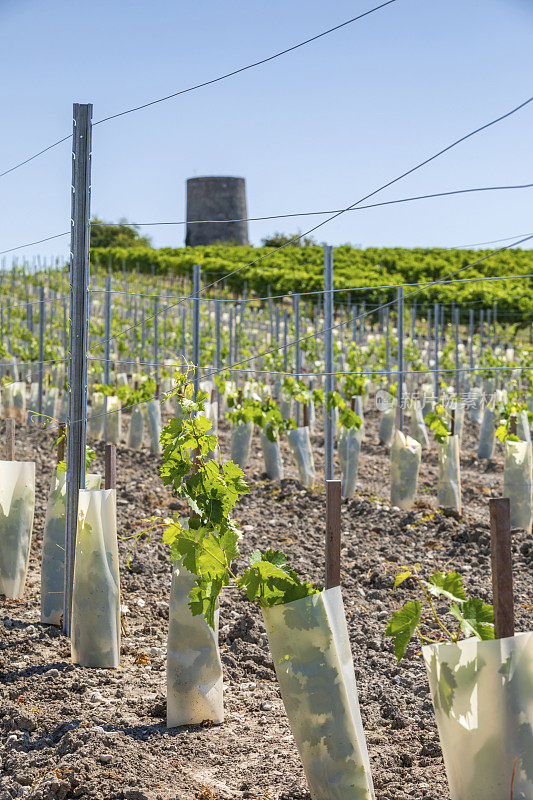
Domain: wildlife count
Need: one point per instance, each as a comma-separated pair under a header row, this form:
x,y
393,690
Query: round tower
x,y
216,198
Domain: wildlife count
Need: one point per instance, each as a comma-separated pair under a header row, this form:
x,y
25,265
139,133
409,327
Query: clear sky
x,y
316,129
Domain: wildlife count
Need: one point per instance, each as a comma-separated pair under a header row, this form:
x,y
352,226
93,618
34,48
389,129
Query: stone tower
x,y
216,198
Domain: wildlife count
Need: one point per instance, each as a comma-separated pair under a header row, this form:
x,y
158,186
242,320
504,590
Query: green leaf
x,y
447,584
475,617
270,581
403,625
401,577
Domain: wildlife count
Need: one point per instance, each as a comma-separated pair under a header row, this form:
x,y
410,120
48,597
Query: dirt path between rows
x,y
71,732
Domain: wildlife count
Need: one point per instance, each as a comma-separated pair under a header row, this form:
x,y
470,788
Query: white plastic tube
x,y
309,642
241,442
487,433
478,404
272,458
349,443
483,698
17,502
522,427
53,549
19,400
517,482
95,624
300,446
418,426
386,425
285,405
96,420
135,433
194,668
449,491
405,458
153,415
428,398
113,419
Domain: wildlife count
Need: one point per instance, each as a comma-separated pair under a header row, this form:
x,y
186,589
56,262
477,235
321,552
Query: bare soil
x,y
72,732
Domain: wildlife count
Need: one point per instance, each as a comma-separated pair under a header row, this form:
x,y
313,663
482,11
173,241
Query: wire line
x,y
30,244
247,67
40,153
330,211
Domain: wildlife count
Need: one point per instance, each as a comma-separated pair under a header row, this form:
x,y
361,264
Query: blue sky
x,y
316,129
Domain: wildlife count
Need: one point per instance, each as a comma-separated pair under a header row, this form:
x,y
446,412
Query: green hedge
x,y
300,269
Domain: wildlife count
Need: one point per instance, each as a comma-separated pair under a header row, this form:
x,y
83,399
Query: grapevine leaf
x,y
270,581
403,625
401,577
448,584
475,617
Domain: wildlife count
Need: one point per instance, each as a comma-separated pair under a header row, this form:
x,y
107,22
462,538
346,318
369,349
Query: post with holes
x,y
79,331
328,358
333,534
400,358
386,325
502,566
297,348
41,350
457,364
285,338
196,326
65,330
156,340
110,466
10,439
270,314
429,335
218,351
107,345
230,333
471,338
143,337
436,355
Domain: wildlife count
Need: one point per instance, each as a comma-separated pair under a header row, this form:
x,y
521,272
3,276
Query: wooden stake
x,y
61,446
513,425
306,415
110,466
452,423
502,566
10,439
333,533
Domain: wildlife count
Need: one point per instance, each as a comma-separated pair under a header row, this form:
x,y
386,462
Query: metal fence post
x,y
328,359
457,363
107,345
218,352
196,326
400,356
436,354
79,331
41,349
471,339
285,338
156,341
297,348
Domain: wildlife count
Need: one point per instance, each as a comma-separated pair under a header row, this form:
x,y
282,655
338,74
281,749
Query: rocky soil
x,y
71,732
